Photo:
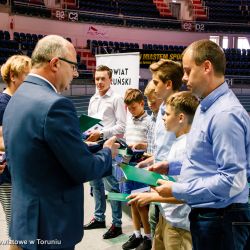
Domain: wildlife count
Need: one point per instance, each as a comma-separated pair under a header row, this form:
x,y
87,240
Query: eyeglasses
x,y
73,64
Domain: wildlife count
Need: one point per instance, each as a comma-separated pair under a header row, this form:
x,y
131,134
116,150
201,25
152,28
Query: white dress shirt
x,y
110,108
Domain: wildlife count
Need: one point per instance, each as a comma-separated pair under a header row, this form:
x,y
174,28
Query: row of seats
x,y
20,7
4,35
124,20
9,44
95,43
142,8
227,11
238,61
27,37
24,43
160,47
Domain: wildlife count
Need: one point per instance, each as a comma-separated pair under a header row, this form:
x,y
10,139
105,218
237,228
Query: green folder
x,y
122,152
132,173
123,197
117,197
86,122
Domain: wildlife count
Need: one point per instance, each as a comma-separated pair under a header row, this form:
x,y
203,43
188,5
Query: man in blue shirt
x,y
217,165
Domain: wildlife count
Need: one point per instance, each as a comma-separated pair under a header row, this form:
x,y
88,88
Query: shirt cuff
x,y
105,134
179,191
174,168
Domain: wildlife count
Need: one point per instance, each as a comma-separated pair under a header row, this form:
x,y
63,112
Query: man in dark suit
x,y
47,159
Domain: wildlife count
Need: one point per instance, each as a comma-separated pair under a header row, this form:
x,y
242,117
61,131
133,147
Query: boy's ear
x,y
181,117
169,84
12,76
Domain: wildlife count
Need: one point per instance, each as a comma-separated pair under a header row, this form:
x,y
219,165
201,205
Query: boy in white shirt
x,y
172,231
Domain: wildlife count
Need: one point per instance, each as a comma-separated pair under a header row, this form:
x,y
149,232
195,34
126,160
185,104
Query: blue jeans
x,y
110,184
221,229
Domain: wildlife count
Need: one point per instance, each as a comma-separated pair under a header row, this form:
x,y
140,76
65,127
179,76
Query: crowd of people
x,y
200,137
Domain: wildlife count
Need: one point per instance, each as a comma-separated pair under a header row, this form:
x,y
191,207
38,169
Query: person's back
x,y
47,159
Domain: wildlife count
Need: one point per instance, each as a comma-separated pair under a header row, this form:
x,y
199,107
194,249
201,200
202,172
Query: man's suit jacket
x,y
48,163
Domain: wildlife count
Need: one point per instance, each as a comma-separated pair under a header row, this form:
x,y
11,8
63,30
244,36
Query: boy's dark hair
x,y
104,68
184,102
133,95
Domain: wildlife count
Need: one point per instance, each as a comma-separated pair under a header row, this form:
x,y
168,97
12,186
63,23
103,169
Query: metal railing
x,y
123,19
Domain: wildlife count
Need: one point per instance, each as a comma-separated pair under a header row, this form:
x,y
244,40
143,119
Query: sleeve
x,y
120,116
63,136
174,167
227,137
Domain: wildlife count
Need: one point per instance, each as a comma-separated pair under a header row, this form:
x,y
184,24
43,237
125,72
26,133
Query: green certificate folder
x,y
141,175
86,122
123,197
117,197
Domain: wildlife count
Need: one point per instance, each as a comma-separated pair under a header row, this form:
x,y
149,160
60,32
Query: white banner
x,y
125,67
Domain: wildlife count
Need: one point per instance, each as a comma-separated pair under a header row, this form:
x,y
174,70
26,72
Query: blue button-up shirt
x,y
215,171
163,138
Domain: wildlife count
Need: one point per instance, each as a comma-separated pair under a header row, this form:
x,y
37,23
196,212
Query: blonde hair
x,y
150,88
16,64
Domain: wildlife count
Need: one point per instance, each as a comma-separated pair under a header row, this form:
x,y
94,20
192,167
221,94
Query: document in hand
x,y
117,197
87,122
142,175
123,197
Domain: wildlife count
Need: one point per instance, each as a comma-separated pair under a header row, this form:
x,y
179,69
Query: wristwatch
x,y
101,136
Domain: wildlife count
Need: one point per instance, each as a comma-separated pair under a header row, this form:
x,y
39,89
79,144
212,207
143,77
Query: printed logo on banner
x,y
125,68
120,77
148,58
93,31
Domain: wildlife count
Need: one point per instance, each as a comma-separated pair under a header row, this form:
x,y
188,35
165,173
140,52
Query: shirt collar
x,y
153,116
207,102
141,117
108,93
36,75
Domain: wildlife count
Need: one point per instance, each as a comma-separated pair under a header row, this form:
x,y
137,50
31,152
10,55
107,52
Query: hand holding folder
x,y
132,173
117,197
122,197
87,122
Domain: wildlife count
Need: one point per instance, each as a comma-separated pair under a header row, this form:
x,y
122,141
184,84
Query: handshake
x,y
113,143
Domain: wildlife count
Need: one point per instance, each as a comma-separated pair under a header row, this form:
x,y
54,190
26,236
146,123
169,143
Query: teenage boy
x,y
172,231
167,77
154,103
136,132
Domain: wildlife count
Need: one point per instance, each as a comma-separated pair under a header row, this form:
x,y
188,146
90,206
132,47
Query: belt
x,y
219,210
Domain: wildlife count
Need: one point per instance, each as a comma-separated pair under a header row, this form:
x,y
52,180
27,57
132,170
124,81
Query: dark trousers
x,y
221,229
